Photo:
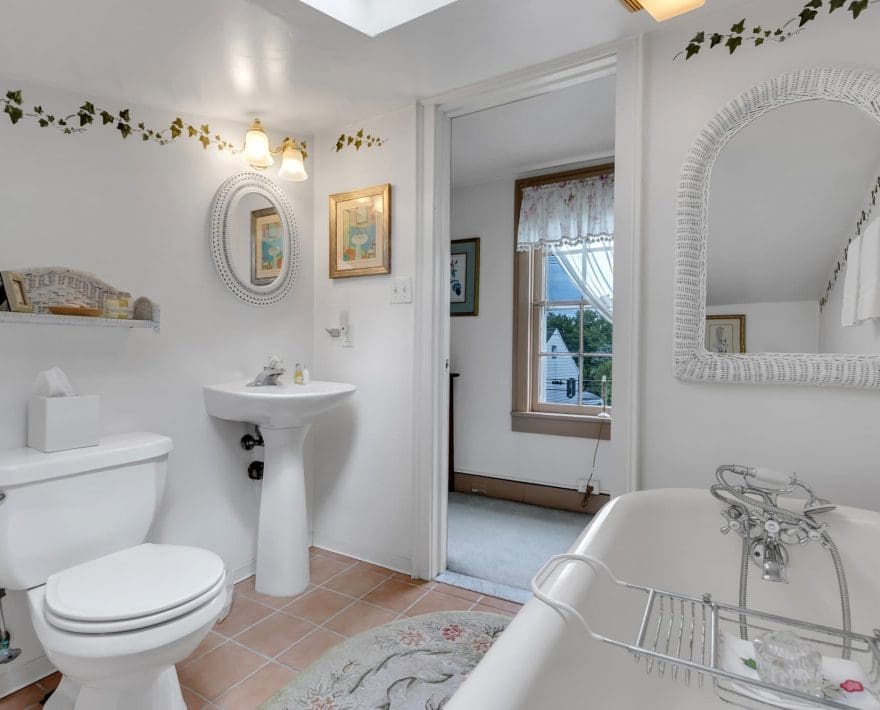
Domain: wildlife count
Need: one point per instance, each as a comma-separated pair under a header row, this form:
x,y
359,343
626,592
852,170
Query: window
x,y
563,308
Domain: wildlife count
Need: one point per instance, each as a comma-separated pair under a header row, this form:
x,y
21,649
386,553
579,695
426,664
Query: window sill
x,y
581,425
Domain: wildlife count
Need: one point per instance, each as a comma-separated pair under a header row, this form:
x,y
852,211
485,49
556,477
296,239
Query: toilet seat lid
x,y
133,583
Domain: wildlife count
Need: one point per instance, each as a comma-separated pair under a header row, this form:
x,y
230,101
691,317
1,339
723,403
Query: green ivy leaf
x,y
191,131
13,112
84,118
349,140
739,27
358,143
205,128
715,39
814,3
691,50
757,30
88,107
204,140
43,123
699,38
750,663
62,122
806,15
38,110
360,133
123,114
857,6
835,4
124,129
106,117
175,131
177,123
759,41
14,96
144,137
732,43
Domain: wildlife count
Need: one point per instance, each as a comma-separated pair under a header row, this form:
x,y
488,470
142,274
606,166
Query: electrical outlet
x,y
401,290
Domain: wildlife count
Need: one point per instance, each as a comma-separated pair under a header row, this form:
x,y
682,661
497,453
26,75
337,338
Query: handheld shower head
x,y
818,505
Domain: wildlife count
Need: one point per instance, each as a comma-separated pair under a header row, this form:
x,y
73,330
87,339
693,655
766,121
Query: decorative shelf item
x,y
56,288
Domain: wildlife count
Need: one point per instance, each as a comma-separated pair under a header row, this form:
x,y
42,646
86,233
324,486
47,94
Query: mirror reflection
x,y
787,195
256,240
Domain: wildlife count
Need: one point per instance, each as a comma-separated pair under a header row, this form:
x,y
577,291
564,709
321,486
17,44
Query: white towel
x,y
869,273
849,311
846,682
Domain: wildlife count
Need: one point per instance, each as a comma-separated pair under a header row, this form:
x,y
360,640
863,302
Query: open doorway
x,y
531,331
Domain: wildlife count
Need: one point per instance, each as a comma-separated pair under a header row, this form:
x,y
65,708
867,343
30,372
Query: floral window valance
x,y
571,213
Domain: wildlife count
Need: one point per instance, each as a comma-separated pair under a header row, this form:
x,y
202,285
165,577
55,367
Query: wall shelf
x,y
51,319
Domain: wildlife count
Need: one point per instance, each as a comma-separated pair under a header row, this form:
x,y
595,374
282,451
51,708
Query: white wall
x,y
363,478
138,216
480,350
687,429
777,327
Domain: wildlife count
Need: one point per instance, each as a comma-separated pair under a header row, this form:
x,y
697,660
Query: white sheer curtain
x,y
575,221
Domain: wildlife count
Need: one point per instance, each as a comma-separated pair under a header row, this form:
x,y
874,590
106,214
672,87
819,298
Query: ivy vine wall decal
x,y
758,34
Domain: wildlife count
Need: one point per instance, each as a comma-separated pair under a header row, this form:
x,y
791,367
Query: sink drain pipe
x,y
7,654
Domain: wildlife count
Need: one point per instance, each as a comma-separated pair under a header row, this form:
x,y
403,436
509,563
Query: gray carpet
x,y
505,542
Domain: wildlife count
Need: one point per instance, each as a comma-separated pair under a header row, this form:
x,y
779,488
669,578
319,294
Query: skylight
x,y
373,17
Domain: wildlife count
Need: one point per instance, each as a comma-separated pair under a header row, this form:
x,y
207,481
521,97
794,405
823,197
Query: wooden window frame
x,y
527,414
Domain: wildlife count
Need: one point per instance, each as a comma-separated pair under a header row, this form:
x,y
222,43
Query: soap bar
x,y
61,423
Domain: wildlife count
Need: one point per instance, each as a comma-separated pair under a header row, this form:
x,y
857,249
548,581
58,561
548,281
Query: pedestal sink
x,y
284,413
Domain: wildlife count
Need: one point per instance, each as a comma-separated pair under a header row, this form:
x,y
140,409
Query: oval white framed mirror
x,y
762,242
254,239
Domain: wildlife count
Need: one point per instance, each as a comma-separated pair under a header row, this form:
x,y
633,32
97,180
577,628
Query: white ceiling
x,y
573,125
287,62
372,17
785,196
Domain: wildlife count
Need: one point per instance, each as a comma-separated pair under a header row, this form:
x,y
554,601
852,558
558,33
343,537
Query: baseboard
x,y
531,493
25,674
364,553
249,569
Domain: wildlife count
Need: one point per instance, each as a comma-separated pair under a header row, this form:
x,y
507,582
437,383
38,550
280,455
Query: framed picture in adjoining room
x,y
13,295
360,232
726,333
464,277
267,246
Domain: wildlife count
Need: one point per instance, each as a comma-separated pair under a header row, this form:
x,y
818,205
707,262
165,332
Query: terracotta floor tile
x,y
246,588
402,577
394,595
336,556
323,568
259,687
318,605
384,571
193,701
245,612
209,643
502,604
359,617
310,649
28,696
435,601
355,582
50,682
491,610
457,592
220,669
274,633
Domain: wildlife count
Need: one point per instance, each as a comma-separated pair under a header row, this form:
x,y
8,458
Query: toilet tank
x,y
68,507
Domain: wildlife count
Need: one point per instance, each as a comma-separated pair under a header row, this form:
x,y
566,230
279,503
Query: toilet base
x,y
144,691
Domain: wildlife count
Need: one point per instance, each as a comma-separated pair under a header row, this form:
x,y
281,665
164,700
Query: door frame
x,y
431,289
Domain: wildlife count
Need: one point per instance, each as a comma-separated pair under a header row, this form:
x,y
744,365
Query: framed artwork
x,y
726,334
13,294
360,232
464,277
267,246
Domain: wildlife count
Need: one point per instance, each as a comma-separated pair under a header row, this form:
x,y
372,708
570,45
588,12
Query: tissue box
x,y
60,423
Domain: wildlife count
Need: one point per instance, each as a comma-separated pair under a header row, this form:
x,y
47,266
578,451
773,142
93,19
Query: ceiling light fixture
x,y
258,153
662,10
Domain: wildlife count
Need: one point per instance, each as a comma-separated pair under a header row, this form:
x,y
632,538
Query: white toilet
x,y
113,614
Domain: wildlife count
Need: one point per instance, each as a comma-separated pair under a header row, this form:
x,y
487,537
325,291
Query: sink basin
x,y
280,406
284,414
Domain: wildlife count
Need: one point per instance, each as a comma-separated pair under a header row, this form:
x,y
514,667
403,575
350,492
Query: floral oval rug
x,y
410,664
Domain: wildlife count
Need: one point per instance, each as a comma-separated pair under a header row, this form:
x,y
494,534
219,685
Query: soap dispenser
x,y
298,374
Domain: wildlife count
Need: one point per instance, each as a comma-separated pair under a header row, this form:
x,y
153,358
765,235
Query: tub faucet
x,y
270,374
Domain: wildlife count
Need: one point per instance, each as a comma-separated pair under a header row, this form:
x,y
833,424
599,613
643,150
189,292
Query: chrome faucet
x,y
270,374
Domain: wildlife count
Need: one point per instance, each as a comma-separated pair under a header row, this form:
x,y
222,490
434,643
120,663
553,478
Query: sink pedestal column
x,y
283,538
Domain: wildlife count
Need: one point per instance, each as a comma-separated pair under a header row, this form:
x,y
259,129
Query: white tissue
x,y
53,383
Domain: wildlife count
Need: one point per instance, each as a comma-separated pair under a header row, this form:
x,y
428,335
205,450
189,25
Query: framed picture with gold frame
x,y
13,293
360,232
726,334
267,246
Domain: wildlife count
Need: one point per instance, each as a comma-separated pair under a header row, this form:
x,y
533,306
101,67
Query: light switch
x,y
401,290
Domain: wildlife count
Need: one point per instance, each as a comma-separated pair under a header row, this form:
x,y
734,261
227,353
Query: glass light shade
x,y
292,167
256,147
662,10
